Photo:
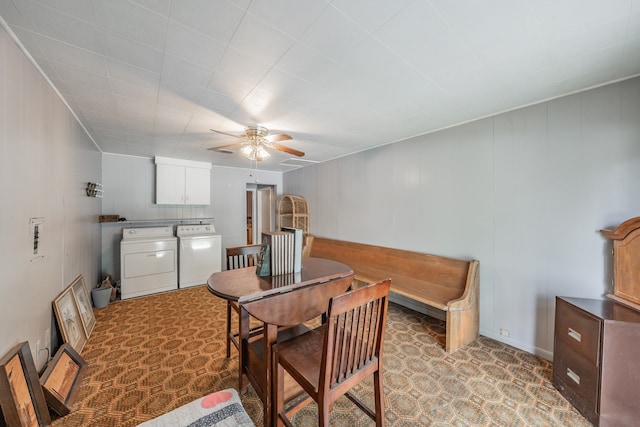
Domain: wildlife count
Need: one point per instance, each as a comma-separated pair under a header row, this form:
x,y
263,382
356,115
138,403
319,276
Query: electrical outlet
x,y
38,347
47,338
504,332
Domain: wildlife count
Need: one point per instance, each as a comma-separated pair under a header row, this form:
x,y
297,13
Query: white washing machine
x,y
148,261
200,253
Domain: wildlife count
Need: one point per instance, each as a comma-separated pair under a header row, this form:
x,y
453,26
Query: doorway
x,y
260,204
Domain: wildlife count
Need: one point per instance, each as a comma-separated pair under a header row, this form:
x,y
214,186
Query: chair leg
x,y
379,398
243,331
323,412
278,386
228,329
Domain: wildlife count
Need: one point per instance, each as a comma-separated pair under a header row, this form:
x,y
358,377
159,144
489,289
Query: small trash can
x,y
101,297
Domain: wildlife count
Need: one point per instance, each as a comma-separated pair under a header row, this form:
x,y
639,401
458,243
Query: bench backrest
x,y
444,278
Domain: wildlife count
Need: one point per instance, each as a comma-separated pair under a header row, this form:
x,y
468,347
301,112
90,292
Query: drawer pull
x,y
575,335
575,377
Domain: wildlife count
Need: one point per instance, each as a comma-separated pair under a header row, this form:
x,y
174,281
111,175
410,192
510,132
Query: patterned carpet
x,y
150,355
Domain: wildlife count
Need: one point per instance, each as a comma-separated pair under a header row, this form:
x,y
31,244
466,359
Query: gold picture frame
x,y
61,380
83,302
21,396
69,320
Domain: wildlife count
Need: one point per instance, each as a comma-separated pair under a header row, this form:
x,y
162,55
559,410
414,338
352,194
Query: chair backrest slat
x,y
242,256
355,332
368,332
374,327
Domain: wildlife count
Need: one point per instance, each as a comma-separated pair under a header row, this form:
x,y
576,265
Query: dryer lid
x,y
147,233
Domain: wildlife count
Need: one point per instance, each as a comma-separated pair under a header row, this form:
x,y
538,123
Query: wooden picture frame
x,y
61,380
69,321
83,302
21,396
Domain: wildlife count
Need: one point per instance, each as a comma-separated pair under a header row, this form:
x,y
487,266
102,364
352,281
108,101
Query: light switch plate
x,y
36,226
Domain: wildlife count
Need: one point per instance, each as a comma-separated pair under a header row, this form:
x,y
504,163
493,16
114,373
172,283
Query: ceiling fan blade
x,y
287,150
225,148
228,134
277,137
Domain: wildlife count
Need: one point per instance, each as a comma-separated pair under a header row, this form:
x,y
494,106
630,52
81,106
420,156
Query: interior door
x,y
264,211
260,211
249,197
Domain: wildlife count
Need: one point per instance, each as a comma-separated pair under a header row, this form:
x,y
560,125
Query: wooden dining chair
x,y
330,360
284,315
238,257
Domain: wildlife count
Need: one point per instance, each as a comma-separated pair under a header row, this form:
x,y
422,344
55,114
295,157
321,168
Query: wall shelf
x,y
151,221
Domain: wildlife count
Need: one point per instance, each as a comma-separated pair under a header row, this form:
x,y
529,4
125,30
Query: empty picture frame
x,y
83,302
69,321
61,380
21,396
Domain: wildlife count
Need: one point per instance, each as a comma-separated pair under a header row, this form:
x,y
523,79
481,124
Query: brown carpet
x,y
150,355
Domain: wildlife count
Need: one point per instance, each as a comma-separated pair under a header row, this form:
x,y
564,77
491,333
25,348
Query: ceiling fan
x,y
255,141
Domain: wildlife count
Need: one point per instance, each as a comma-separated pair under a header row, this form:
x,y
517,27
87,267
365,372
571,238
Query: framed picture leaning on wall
x,y
83,302
61,380
69,320
21,396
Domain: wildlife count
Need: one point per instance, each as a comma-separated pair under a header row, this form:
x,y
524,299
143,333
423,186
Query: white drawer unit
x,y
148,261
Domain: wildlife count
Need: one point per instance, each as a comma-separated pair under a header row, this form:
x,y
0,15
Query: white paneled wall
x,y
46,159
129,184
129,191
524,192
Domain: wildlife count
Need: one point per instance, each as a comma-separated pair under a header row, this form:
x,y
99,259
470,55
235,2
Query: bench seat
x,y
446,284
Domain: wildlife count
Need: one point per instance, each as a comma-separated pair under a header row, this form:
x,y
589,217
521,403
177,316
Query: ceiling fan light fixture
x,y
256,141
262,154
247,150
255,152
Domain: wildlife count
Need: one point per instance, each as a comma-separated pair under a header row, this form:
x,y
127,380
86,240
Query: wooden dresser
x,y
596,359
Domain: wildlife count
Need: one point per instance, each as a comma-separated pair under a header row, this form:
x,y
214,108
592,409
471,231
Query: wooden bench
x,y
446,284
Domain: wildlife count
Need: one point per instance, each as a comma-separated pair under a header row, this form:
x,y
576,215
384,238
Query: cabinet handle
x,y
575,377
575,335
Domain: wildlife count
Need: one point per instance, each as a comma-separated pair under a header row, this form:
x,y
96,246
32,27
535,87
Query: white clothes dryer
x,y
200,254
148,261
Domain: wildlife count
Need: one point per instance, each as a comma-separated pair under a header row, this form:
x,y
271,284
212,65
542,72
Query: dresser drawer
x,y
576,378
578,330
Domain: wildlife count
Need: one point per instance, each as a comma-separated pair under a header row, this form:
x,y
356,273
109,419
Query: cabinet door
x,y
170,182
198,186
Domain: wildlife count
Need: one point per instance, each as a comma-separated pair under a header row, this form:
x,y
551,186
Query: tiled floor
x,y
150,355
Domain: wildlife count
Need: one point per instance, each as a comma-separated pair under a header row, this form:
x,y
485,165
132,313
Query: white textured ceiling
x,y
151,77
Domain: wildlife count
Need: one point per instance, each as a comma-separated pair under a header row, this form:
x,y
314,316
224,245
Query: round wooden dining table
x,y
243,284
284,300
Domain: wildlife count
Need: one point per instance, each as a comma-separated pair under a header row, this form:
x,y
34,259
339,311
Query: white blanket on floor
x,y
220,409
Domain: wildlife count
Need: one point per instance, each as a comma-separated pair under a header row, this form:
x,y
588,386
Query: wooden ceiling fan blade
x,y
278,137
228,134
225,148
287,150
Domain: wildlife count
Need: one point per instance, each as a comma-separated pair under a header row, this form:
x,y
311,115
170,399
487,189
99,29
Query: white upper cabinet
x,y
197,186
182,182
